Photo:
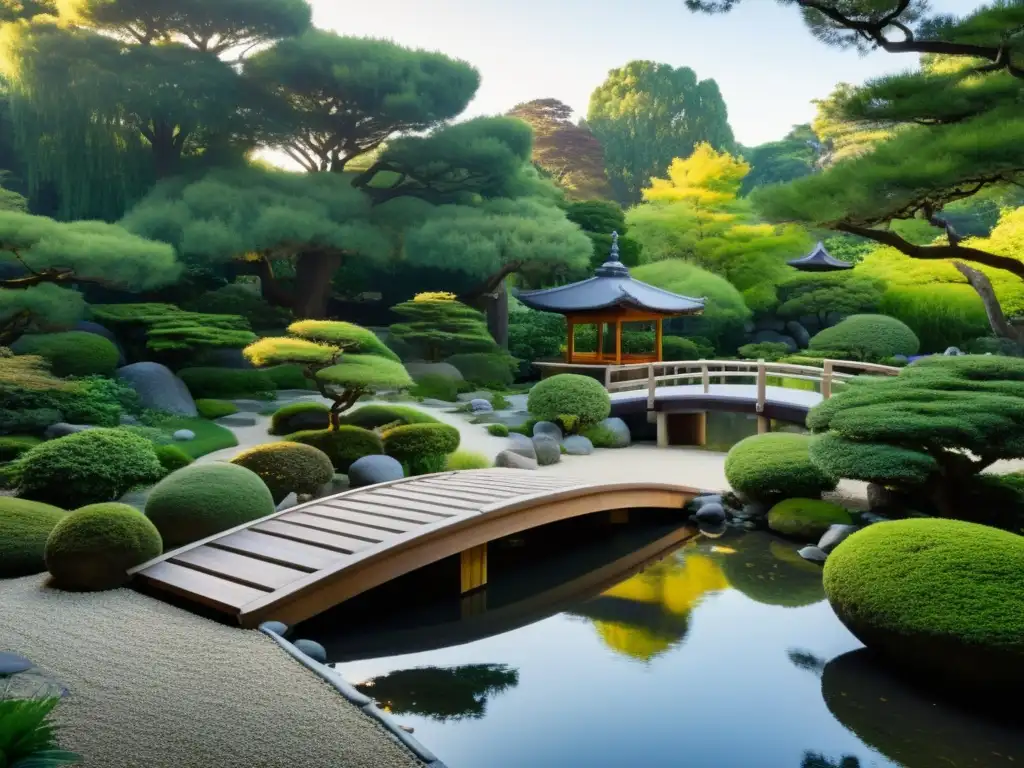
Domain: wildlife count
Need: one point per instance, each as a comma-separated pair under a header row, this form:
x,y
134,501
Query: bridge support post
x,y
764,425
700,429
474,568
662,421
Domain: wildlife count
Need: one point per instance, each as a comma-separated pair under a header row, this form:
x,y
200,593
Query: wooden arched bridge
x,y
295,564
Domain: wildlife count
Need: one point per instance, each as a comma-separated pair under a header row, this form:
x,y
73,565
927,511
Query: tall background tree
x,y
645,114
794,156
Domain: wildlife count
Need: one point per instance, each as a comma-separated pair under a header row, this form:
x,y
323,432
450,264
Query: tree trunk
x,y
983,287
313,273
497,316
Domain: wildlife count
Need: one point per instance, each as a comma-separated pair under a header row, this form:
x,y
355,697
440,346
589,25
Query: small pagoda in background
x,y
819,260
611,297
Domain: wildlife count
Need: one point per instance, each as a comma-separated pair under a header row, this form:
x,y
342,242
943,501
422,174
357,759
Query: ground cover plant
x,y
209,437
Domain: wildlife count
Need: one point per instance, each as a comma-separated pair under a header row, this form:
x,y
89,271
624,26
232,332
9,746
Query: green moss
x,y
296,417
569,394
343,445
288,467
227,382
600,436
88,467
421,448
13,446
209,437
204,499
463,459
498,430
436,386
93,548
768,571
806,519
868,337
172,457
24,527
72,353
776,466
942,598
376,416
214,409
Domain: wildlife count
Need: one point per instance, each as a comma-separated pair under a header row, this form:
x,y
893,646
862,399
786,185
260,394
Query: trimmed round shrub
x,y
498,430
467,460
24,527
678,348
72,353
601,436
436,386
776,466
940,598
93,548
14,446
377,416
88,467
868,338
204,499
806,519
226,382
298,417
485,369
213,409
569,394
421,448
288,467
343,445
172,458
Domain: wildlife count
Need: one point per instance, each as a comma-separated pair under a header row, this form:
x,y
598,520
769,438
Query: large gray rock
x,y
548,450
522,445
62,429
371,470
952,352
238,420
158,388
480,405
800,334
548,428
12,663
810,322
289,501
773,337
770,324
833,318
444,369
577,445
813,554
87,326
315,651
512,460
711,514
184,435
836,535
619,429
480,394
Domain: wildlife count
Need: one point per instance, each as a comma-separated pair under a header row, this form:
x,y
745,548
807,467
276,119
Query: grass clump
x,y
24,527
210,408
806,519
463,459
498,430
601,436
776,466
288,467
172,457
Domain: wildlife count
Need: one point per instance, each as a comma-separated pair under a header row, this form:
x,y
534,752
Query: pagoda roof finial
x,y
612,266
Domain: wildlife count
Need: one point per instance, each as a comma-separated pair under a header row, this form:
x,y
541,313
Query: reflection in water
x,y
441,693
815,760
769,570
806,660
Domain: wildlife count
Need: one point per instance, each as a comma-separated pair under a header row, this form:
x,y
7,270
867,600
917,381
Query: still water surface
x,y
719,653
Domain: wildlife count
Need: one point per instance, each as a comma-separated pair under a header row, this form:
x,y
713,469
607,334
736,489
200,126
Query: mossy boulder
x,y
806,519
288,467
204,499
300,417
24,527
943,599
210,408
583,399
93,548
343,445
776,466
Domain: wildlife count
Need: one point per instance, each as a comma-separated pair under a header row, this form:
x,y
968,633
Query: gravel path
x,y
155,687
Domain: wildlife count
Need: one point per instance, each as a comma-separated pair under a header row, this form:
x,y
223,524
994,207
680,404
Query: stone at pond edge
x,y
289,501
184,435
870,518
522,445
158,388
12,663
238,420
480,406
548,428
62,429
315,651
512,460
835,536
547,449
754,510
371,470
618,428
711,513
705,498
577,445
468,397
279,628
813,554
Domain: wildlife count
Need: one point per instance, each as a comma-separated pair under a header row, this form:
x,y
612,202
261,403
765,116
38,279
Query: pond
x,y
644,647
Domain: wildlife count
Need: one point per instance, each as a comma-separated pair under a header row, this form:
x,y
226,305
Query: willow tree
x,y
41,259
645,114
334,98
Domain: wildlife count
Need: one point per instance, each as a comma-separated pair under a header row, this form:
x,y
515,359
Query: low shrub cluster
x,y
343,445
31,399
298,417
243,301
71,353
498,430
776,466
288,467
436,386
463,459
421,448
572,400
220,383
769,351
679,348
14,446
377,416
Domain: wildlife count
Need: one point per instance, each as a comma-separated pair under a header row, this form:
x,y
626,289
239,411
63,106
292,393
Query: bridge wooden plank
x,y
439,511
460,505
238,568
452,496
209,590
481,487
506,488
343,545
274,549
391,511
333,514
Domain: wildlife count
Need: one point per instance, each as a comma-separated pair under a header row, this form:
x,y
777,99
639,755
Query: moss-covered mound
x,y
343,445
172,457
421,448
806,519
299,417
498,430
776,466
581,398
769,571
92,548
942,598
288,467
72,353
376,416
868,337
210,408
908,726
24,528
204,499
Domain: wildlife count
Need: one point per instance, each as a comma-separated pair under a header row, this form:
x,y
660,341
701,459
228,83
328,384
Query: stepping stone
x,y
12,664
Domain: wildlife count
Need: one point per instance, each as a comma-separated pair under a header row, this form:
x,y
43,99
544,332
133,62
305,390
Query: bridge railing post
x,y
652,385
826,380
762,384
705,376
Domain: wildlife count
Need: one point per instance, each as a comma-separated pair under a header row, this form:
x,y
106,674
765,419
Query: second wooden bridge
x,y
295,564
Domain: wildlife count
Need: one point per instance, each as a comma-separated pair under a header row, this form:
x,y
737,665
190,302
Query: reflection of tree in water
x,y
647,614
769,570
815,760
441,693
806,660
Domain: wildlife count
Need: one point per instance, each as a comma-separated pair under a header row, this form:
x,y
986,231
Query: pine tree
x,y
440,326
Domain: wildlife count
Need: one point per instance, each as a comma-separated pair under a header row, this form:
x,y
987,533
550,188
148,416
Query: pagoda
x,y
819,260
611,297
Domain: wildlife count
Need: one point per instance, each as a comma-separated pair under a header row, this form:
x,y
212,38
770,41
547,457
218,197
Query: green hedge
x,y
677,348
582,398
806,519
376,416
868,338
288,467
421,448
72,353
214,409
227,383
296,417
343,445
486,369
93,548
436,386
24,527
776,466
88,467
204,499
